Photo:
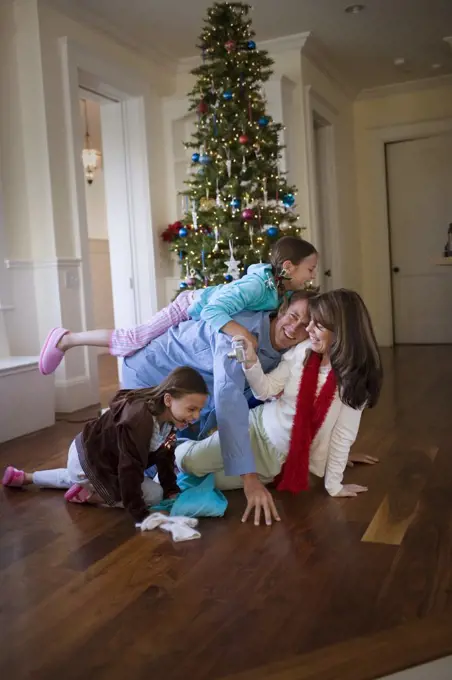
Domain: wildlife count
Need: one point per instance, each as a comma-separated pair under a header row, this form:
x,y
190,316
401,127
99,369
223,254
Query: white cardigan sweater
x,y
331,445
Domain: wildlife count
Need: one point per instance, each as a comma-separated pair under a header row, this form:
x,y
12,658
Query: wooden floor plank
x,y
400,505
364,658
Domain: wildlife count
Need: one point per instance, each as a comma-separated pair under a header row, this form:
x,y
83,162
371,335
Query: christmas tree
x,y
237,202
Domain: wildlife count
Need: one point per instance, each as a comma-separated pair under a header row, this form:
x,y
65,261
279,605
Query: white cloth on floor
x,y
180,528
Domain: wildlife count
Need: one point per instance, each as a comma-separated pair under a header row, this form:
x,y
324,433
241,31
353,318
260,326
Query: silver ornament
x,y
233,264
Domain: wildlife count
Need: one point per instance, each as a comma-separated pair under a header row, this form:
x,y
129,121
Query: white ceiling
x,y
362,46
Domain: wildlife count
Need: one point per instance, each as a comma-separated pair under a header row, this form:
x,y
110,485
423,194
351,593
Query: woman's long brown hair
x,y
354,355
180,382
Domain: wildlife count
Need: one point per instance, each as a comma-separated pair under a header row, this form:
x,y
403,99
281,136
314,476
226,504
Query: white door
x,y
117,196
323,163
419,176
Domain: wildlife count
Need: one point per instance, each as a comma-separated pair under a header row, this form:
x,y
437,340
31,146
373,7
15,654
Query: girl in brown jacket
x,y
107,460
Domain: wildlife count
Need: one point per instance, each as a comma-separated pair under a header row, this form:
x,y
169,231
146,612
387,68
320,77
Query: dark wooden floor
x,y
342,589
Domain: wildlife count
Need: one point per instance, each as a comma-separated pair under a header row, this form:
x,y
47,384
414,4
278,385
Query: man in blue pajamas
x,y
196,344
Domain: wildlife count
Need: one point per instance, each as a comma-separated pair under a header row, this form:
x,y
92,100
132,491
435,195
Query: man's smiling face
x,y
289,327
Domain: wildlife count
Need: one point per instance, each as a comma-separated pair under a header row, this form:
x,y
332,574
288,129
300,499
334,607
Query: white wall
x,y
372,117
15,211
46,263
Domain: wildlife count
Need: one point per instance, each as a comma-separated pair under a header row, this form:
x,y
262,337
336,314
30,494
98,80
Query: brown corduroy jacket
x,y
114,453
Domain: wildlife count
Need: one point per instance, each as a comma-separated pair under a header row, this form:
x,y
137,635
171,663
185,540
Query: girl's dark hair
x,y
354,354
180,382
288,248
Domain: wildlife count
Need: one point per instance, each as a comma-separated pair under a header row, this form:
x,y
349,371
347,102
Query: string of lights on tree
x,y
237,202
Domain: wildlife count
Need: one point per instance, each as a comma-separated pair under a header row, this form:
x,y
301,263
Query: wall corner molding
x,y
288,43
316,52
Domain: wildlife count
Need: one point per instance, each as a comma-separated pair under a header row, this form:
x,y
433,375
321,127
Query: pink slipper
x,y
51,357
13,477
78,494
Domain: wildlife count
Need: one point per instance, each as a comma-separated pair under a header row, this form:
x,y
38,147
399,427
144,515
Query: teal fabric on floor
x,y
198,498
164,506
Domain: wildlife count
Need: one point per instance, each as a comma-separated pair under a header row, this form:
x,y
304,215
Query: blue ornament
x,y
228,278
251,45
195,157
263,121
227,95
273,231
235,203
288,200
183,232
205,159
183,285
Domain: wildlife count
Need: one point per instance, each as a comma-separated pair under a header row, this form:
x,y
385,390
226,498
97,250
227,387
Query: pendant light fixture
x,y
90,156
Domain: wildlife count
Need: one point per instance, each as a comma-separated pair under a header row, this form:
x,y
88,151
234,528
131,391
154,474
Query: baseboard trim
x,y
75,394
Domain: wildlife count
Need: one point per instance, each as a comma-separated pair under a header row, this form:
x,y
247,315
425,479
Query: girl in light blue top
x,y
293,263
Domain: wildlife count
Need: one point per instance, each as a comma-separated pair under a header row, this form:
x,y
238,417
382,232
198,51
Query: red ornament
x,y
244,139
202,107
167,236
248,214
230,46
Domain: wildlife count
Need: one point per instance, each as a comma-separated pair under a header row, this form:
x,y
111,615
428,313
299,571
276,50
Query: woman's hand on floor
x,y
361,458
260,499
351,490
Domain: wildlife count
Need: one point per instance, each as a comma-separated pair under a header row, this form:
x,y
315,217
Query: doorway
x,y
127,110
98,239
419,181
109,226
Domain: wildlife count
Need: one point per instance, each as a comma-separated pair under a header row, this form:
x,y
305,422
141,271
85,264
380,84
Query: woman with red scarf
x,y
323,384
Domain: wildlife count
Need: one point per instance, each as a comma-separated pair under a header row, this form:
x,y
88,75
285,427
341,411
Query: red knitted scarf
x,y
309,415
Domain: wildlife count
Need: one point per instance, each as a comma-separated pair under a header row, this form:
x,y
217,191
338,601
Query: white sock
x,y
187,521
180,532
152,521
180,528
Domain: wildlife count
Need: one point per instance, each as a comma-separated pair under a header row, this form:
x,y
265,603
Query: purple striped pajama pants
x,y
127,341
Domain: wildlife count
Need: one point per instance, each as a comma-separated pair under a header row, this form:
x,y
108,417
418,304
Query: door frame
x,y
316,107
83,68
377,280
